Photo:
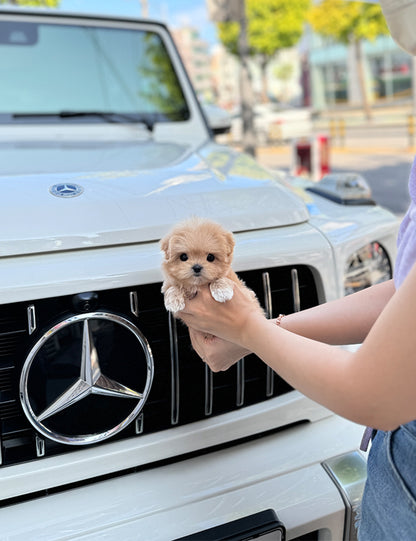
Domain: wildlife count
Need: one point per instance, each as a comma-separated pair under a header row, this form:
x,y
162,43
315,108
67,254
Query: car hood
x,y
131,192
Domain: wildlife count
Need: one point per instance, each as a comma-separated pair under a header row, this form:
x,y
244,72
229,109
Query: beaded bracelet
x,y
279,318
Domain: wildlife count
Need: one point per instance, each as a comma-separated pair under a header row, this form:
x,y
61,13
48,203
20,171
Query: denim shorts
x,y
389,502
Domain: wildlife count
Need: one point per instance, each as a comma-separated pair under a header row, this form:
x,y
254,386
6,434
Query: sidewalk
x,y
355,116
340,158
390,128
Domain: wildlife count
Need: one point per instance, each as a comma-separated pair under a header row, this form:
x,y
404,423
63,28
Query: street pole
x,y
145,8
235,10
246,89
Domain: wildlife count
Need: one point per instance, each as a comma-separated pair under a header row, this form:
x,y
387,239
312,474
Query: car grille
x,y
184,390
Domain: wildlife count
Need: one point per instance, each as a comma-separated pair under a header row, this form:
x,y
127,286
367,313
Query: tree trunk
x,y
361,78
246,89
264,84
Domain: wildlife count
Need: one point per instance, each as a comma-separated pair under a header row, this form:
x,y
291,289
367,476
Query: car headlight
x,y
368,266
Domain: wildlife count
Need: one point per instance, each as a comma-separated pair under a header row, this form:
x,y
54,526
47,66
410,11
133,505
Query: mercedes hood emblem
x,y
66,190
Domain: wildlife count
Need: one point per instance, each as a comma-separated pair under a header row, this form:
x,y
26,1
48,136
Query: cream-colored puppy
x,y
198,252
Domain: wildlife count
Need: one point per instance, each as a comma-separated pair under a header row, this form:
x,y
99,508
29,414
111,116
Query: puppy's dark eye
x,y
183,257
210,257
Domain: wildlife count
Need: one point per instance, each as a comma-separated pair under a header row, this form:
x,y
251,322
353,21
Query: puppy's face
x,y
197,253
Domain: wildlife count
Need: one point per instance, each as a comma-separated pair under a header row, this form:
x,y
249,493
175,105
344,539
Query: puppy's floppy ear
x,y
230,242
164,246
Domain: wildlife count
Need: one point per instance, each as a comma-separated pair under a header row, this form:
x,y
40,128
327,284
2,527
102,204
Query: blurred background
x,y
286,80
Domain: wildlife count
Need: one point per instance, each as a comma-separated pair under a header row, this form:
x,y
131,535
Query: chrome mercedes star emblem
x,y
66,190
47,357
90,380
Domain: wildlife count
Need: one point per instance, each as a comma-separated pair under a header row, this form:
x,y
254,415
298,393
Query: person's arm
x,y
343,321
374,386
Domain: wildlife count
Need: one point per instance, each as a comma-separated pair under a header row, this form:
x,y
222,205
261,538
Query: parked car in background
x,y
111,427
275,123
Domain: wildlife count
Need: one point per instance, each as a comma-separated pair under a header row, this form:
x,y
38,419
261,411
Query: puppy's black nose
x,y
197,268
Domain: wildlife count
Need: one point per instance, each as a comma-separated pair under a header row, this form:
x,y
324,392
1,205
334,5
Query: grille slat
x,y
184,389
208,390
9,342
240,383
9,409
295,290
174,360
268,308
6,376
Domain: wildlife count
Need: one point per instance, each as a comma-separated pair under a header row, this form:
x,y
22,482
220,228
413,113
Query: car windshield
x,y
69,73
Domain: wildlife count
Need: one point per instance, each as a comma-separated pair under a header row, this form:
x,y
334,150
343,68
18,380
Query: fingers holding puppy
x,y
218,354
225,320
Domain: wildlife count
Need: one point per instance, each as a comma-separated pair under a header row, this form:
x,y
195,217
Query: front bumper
x,y
282,471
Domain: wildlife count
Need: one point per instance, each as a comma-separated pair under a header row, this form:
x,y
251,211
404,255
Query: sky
x,y
174,13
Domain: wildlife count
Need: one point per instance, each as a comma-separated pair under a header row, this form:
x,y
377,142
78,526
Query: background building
x,y
333,73
225,74
197,59
318,73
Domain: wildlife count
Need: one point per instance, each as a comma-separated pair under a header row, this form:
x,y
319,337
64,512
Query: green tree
x,y
162,88
350,22
32,3
272,25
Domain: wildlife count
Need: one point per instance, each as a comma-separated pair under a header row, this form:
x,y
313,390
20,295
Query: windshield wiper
x,y
109,117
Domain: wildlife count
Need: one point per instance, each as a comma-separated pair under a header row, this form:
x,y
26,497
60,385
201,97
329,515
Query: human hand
x,y
216,352
226,320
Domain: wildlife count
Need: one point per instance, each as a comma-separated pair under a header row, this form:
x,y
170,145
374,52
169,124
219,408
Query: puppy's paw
x,y
174,300
222,290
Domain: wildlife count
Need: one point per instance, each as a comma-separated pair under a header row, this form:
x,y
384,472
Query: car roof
x,y
52,12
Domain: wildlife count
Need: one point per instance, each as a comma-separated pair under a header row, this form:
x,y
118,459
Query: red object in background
x,y
323,147
303,166
311,157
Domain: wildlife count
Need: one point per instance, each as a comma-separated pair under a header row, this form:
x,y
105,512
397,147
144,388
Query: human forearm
x,y
343,321
349,384
373,386
319,370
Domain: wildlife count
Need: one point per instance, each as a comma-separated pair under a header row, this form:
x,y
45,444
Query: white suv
x,y
110,426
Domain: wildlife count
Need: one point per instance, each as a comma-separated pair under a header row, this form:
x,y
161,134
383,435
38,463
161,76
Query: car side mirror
x,y
218,119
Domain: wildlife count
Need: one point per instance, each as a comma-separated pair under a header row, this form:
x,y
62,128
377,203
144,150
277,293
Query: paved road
x,y
387,175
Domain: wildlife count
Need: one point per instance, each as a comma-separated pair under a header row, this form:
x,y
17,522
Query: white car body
x,y
129,185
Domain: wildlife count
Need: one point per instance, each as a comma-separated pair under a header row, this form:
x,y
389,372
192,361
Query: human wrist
x,y
251,326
